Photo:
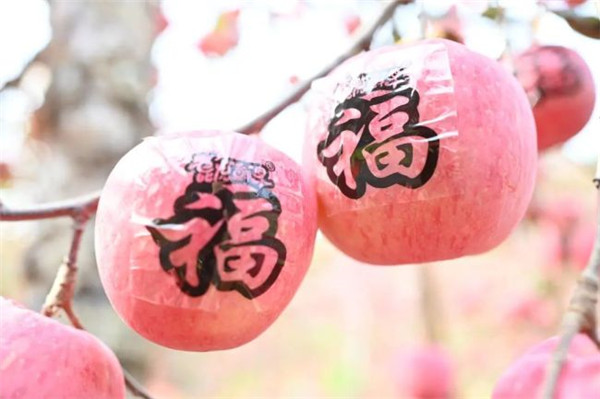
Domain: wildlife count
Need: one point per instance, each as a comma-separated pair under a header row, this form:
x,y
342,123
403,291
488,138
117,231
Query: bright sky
x,y
195,91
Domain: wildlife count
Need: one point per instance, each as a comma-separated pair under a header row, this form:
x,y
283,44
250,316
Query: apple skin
x,y
42,358
580,377
561,84
482,185
143,187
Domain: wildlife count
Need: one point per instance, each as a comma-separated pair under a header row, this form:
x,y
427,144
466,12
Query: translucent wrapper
x,y
383,124
213,220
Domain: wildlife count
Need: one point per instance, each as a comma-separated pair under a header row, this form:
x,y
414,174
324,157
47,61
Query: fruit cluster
x,y
414,153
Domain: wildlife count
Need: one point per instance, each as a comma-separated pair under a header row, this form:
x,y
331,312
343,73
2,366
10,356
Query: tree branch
x,y
362,44
135,387
73,207
580,316
429,304
63,289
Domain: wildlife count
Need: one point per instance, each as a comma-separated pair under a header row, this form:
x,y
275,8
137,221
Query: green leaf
x,y
493,13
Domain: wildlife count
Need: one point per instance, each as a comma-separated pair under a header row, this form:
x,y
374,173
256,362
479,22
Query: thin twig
x,y
429,304
362,44
62,292
70,207
135,387
580,316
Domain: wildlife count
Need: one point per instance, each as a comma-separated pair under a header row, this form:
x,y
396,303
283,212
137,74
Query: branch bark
x,y
72,207
63,289
135,387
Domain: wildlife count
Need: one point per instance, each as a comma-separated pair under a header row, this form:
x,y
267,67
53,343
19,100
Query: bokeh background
x,y
83,82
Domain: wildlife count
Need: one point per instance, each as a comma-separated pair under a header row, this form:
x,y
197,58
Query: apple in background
x,y
580,377
560,85
42,358
203,238
575,3
528,308
551,246
565,212
425,373
420,152
581,244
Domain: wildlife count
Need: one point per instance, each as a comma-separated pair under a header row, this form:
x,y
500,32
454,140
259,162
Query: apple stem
x,y
363,43
580,316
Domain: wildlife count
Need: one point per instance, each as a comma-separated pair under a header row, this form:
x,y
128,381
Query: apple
x,y
560,85
425,373
551,246
42,358
580,376
420,152
581,244
564,212
203,238
528,308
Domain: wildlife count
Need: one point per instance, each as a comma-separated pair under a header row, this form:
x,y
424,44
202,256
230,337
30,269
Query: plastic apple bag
x,y
386,119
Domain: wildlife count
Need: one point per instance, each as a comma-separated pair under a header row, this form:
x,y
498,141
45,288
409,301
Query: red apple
x,y
580,376
42,358
560,85
420,152
203,238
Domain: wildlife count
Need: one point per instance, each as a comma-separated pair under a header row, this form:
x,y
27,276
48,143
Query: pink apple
x,y
420,152
580,377
528,308
551,246
581,244
42,358
425,373
560,84
564,212
203,238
